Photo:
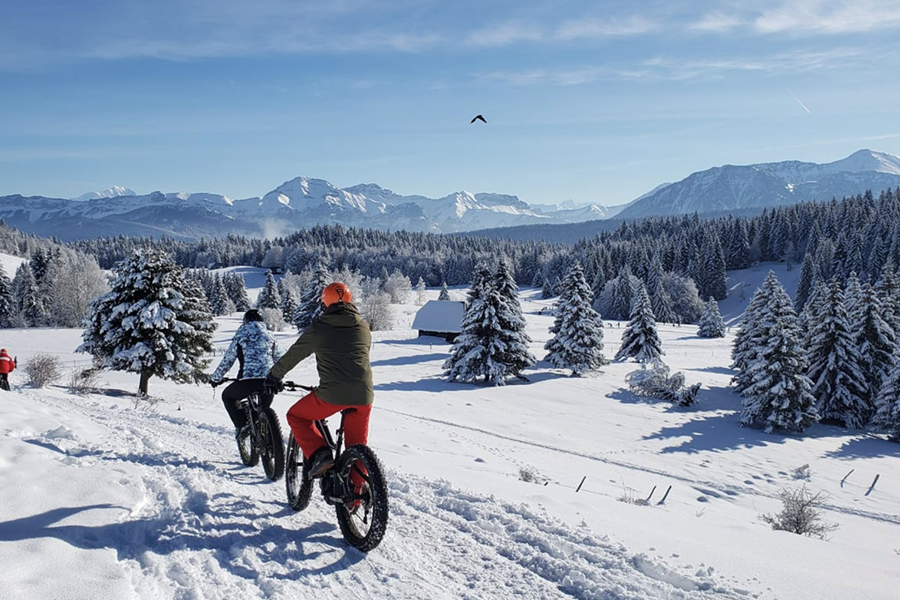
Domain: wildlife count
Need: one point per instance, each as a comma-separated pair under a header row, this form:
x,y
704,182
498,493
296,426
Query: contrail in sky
x,y
798,101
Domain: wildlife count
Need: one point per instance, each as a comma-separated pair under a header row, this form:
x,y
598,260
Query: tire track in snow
x,y
205,527
691,482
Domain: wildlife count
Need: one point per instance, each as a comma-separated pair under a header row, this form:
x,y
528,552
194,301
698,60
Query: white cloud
x,y
505,34
605,27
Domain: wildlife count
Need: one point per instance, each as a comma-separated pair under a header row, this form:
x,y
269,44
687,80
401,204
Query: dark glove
x,y
215,382
272,385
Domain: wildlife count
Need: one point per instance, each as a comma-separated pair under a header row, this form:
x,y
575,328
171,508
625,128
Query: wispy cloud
x,y
830,17
605,27
671,68
803,17
505,34
717,22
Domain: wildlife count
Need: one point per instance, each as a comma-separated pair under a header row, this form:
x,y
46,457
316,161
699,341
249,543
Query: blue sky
x,y
590,101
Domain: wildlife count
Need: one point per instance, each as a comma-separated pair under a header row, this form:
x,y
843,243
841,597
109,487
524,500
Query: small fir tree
x,y
268,296
711,323
577,341
640,339
27,299
445,293
310,306
234,285
7,309
219,302
154,321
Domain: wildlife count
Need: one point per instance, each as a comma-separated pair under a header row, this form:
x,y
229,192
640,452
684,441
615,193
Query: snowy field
x,y
102,498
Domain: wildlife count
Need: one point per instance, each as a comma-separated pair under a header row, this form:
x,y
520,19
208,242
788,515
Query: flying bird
x,y
477,118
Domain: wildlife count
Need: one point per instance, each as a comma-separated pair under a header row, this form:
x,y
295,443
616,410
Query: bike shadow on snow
x,y
133,539
150,460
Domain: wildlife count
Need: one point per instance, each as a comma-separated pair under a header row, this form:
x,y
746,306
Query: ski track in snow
x,y
206,527
707,488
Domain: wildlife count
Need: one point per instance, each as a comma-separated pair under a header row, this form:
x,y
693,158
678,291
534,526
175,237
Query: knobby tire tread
x,y
364,541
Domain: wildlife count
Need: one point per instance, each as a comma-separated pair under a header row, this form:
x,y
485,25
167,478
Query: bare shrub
x,y
145,403
42,370
799,513
84,381
273,318
629,496
531,475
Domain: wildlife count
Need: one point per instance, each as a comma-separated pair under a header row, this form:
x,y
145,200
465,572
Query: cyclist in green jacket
x,y
340,338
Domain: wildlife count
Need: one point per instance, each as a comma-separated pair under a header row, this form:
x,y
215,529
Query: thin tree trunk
x,y
145,379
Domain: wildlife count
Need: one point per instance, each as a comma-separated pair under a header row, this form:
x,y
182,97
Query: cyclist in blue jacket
x,y
255,349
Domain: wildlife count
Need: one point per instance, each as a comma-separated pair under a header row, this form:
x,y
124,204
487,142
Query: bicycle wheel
x,y
246,445
363,517
299,487
272,444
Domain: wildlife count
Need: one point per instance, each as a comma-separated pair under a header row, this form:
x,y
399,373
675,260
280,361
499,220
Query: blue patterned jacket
x,y
255,349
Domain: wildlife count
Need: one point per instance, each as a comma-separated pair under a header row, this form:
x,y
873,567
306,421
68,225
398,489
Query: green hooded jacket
x,y
340,339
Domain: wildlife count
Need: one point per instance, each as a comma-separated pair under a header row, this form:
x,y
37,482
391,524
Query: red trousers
x,y
311,408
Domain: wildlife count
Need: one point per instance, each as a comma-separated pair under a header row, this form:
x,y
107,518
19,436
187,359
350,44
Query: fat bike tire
x,y
271,444
248,450
364,527
299,487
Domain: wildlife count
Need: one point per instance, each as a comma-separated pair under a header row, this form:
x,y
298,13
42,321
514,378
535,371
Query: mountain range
x,y
304,202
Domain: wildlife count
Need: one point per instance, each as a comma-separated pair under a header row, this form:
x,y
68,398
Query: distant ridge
x,y
303,202
730,187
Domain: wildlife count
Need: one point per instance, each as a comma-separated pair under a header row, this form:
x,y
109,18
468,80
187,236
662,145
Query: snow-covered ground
x,y
102,498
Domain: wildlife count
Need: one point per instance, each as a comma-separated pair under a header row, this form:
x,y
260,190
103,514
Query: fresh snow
x,y
102,497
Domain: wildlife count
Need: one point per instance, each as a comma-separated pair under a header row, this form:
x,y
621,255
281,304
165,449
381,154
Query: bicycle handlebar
x,y
284,384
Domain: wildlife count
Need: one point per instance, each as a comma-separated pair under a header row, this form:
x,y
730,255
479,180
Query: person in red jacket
x,y
7,366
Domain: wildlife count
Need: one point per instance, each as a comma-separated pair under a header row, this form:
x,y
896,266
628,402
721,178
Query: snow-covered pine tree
x,y
234,285
577,341
268,296
835,366
513,339
778,393
27,300
640,339
711,324
288,304
875,340
475,352
7,310
310,306
219,301
888,291
852,297
887,404
747,341
546,289
805,283
154,321
625,291
712,271
445,293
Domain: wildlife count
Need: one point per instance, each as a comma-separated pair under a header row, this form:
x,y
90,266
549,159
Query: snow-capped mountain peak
x,y
868,160
112,192
752,187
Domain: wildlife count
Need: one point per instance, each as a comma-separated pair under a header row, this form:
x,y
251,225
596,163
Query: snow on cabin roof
x,y
442,316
